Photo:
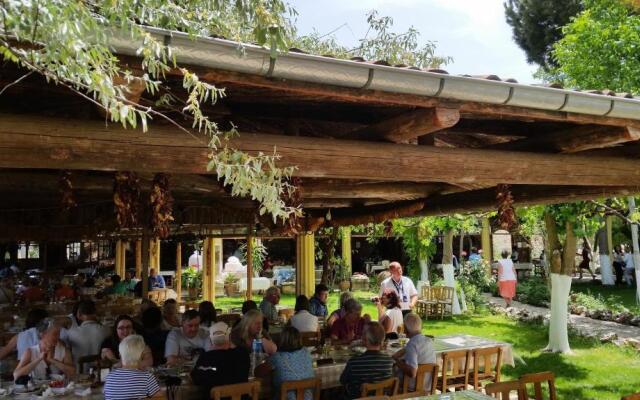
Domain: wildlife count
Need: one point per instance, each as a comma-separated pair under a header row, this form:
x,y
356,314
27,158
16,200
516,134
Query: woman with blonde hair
x,y
250,328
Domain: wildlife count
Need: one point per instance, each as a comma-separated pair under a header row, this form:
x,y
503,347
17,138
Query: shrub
x,y
533,291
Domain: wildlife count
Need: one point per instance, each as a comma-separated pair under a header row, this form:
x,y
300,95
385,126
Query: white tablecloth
x,y
256,284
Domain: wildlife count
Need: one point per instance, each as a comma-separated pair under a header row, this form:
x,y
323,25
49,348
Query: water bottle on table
x,y
257,353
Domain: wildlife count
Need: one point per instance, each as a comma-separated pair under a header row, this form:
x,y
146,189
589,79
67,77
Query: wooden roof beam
x,y
409,126
386,190
574,140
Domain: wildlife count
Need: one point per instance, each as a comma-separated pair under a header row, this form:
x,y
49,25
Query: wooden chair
x,y
300,387
236,391
455,370
229,319
484,368
428,302
502,390
635,396
310,338
379,388
538,379
91,359
423,370
445,301
286,313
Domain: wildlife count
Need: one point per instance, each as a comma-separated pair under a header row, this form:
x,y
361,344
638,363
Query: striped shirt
x,y
130,384
372,366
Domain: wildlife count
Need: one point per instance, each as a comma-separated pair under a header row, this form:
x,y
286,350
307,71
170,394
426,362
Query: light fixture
x,y
328,216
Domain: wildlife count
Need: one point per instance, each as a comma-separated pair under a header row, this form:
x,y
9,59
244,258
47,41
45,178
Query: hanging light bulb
x,y
328,216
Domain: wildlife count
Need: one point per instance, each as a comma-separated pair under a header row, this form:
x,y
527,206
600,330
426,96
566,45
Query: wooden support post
x,y
249,264
346,247
123,261
178,276
138,258
205,268
146,244
609,225
305,264
209,272
486,243
118,258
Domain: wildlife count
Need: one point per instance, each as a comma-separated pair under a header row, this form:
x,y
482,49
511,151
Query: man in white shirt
x,y
419,350
403,286
182,343
86,339
303,320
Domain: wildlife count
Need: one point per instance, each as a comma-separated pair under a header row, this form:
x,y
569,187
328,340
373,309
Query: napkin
x,y
83,392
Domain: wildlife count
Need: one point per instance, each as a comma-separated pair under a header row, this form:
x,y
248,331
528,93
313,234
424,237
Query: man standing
x,y
156,281
371,366
223,365
269,302
318,303
419,350
403,287
86,339
184,342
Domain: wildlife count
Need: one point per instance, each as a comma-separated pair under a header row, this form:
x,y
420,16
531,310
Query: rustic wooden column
x,y
209,269
206,266
346,248
305,264
138,258
118,257
146,244
154,254
487,252
178,275
123,261
249,265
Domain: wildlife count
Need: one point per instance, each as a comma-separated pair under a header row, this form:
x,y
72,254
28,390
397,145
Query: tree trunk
x,y
329,248
447,247
569,250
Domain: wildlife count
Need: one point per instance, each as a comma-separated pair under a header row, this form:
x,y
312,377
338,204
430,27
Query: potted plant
x,y
342,274
192,281
231,287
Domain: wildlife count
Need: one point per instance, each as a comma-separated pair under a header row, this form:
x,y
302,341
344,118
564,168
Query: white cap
x,y
217,330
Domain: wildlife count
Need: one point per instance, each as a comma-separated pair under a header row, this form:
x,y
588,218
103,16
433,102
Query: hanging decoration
x,y
65,186
506,213
388,228
126,198
292,197
161,202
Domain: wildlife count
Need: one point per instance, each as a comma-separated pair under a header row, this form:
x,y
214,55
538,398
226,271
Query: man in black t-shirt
x,y
223,365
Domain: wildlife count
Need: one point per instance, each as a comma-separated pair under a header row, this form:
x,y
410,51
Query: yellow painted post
x,y
206,267
249,264
486,243
138,258
346,247
118,257
305,264
144,275
178,276
209,271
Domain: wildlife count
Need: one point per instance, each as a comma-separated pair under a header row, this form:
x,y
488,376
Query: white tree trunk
x,y
424,270
558,335
449,280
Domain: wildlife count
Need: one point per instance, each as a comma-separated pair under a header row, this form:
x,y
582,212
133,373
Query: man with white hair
x,y
129,382
223,365
402,285
269,302
419,350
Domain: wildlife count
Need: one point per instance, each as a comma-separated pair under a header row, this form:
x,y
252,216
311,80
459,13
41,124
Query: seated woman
x,y
303,320
208,315
350,327
130,381
154,336
249,328
340,312
389,314
48,357
291,362
34,328
170,317
123,328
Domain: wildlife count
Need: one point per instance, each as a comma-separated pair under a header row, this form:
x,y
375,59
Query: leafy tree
x,y
68,43
599,49
537,26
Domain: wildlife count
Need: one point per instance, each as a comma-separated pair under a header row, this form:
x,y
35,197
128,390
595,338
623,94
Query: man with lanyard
x,y
403,286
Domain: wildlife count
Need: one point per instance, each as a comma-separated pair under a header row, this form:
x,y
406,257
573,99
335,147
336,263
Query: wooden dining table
x,y
462,395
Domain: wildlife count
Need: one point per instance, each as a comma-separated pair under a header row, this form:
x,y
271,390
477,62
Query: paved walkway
x,y
584,325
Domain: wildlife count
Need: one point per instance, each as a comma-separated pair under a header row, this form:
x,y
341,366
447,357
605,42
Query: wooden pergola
x,y
388,147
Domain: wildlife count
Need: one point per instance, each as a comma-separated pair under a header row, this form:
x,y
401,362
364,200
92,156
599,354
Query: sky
x,y
473,32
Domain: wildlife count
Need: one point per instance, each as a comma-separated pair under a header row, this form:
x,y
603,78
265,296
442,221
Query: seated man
x,y
419,350
268,304
156,281
349,327
223,365
184,342
318,303
369,367
303,320
86,339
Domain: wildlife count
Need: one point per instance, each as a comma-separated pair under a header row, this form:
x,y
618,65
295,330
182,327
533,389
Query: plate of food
x,y
57,386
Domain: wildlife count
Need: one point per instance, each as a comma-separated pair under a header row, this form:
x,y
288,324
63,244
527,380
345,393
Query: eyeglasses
x,y
125,328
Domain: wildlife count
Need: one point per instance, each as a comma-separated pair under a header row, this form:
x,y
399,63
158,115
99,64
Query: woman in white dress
x,y
390,313
48,357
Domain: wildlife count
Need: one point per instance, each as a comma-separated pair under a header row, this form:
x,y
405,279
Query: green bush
x,y
598,302
533,291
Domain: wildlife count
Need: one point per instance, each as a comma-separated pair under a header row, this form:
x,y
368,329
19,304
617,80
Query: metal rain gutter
x,y
255,60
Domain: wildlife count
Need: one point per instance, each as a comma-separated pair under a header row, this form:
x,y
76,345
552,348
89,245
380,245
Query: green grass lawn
x,y
594,371
611,295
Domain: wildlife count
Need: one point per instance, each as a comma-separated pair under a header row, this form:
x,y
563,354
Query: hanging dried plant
x,y
506,212
388,228
65,186
126,198
161,203
292,197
